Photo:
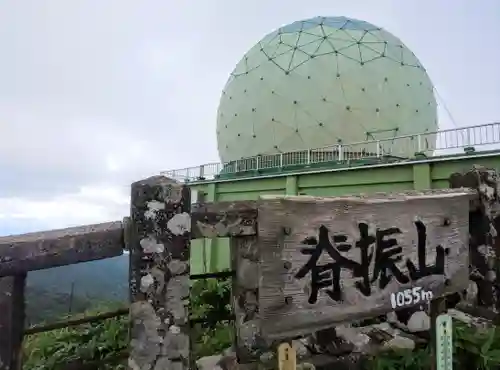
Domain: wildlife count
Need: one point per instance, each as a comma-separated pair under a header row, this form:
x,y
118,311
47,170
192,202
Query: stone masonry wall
x,y
159,285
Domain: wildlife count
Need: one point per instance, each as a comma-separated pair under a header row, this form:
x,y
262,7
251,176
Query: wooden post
x,y
245,285
159,240
11,321
238,221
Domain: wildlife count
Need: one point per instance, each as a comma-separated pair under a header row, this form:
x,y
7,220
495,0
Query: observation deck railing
x,y
399,148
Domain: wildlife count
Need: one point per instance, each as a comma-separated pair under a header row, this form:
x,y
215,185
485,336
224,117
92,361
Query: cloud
x,y
44,153
88,205
93,97
60,169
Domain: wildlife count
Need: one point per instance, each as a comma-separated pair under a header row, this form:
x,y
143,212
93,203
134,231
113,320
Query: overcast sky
x,y
95,94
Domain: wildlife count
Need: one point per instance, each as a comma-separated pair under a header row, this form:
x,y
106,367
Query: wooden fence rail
x,y
35,329
41,250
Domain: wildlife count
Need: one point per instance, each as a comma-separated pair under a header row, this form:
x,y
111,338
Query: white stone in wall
x,y
153,207
180,223
150,245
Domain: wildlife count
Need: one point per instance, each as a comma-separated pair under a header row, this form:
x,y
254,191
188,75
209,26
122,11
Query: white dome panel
x,y
323,81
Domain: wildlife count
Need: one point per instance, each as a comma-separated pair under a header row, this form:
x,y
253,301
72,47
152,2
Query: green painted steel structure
x,y
431,173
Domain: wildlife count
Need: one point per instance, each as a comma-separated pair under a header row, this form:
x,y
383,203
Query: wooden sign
x,y
331,260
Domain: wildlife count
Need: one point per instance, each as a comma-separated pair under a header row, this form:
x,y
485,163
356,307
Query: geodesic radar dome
x,y
324,81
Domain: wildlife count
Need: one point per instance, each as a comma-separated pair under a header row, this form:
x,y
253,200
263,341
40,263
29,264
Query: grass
x,y
210,300
84,343
473,348
102,341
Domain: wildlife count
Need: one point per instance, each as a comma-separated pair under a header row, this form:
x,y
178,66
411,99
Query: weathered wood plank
x,y
11,321
244,260
223,219
52,248
159,281
369,250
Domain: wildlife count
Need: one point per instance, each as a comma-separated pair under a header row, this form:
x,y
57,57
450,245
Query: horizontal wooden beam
x,y
52,248
224,219
35,329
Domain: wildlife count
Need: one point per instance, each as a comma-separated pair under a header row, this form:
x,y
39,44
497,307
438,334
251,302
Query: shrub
x,y
210,300
473,349
103,340
88,342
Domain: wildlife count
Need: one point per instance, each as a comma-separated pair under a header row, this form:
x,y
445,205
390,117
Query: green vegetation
x,y
82,344
474,348
103,341
50,306
210,301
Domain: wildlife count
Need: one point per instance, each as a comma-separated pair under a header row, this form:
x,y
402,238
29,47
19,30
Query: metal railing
x,y
395,149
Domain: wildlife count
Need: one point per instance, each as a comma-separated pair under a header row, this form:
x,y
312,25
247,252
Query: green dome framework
x,y
322,82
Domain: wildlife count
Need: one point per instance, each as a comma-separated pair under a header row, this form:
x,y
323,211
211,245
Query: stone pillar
x,y
160,233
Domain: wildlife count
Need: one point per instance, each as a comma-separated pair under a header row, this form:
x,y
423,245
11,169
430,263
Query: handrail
x,y
397,148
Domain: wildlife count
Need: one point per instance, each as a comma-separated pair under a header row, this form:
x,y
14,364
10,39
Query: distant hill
x,y
49,306
53,292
